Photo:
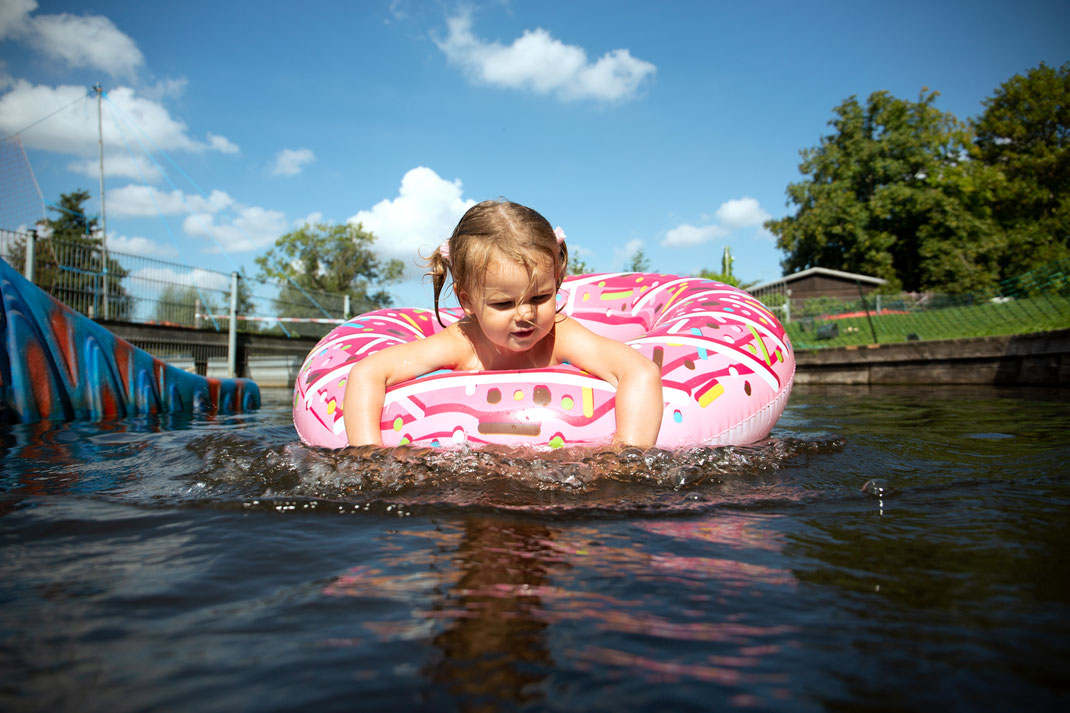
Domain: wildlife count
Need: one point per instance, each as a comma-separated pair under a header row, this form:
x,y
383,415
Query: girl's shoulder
x,y
456,345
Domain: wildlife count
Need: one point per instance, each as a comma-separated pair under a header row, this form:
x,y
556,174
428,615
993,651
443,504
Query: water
x,y
885,550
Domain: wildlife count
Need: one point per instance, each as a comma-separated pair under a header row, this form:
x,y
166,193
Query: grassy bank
x,y
1016,316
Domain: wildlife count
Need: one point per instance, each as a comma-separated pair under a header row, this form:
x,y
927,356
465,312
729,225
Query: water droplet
x,y
878,487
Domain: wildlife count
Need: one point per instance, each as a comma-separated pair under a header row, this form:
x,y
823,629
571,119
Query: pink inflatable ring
x,y
727,369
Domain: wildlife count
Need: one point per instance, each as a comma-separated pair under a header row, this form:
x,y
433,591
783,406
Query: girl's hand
x,y
362,405
639,403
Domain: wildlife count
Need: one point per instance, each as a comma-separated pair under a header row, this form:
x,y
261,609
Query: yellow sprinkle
x,y
408,319
398,423
588,401
758,338
567,403
586,296
330,406
622,295
711,393
518,395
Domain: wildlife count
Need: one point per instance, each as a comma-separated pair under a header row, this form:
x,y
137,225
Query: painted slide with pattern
x,y
58,364
727,368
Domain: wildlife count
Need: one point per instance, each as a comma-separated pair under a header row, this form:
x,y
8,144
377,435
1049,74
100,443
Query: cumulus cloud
x,y
85,41
250,228
73,130
735,214
624,253
290,162
422,215
742,213
201,278
134,200
137,245
538,62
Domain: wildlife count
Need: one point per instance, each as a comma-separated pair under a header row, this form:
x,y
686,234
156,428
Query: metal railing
x,y
121,287
1035,301
133,288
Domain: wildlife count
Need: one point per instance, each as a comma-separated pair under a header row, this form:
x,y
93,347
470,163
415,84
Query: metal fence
x,y
122,288
1032,302
132,288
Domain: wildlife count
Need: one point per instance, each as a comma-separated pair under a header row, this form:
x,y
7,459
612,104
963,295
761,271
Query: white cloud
x,y
422,215
742,213
540,63
625,252
290,162
83,41
221,144
310,219
685,234
129,121
135,200
201,278
139,246
15,16
733,215
252,228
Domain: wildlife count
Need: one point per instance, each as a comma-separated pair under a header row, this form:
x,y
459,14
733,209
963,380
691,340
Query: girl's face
x,y
513,311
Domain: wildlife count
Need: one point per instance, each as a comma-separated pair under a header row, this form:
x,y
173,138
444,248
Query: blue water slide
x,y
58,364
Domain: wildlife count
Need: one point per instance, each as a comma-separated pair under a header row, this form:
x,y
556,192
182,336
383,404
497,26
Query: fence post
x,y
232,340
345,307
31,246
787,305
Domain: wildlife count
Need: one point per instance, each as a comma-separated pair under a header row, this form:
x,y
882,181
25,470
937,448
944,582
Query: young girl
x,y
507,264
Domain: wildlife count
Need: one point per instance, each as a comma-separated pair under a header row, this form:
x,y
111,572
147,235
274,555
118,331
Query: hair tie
x,y
444,250
560,234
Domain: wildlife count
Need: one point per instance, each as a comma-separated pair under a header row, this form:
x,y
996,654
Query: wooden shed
x,y
790,292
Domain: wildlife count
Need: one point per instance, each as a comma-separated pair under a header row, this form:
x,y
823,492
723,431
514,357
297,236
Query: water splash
x,y
571,481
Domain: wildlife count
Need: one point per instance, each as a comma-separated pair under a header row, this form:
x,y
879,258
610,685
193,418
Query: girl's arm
x,y
362,405
639,403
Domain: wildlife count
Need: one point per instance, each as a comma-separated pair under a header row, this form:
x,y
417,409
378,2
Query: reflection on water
x,y
214,564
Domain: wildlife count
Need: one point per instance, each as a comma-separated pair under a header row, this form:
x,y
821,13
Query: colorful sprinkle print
x,y
727,369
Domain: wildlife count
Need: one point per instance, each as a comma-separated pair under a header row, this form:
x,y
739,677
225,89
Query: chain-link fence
x,y
131,288
1033,302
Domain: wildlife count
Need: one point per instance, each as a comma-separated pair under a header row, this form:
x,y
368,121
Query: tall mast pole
x,y
103,213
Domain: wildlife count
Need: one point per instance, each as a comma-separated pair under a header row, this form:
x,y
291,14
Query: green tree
x,y
638,262
725,275
894,192
180,305
329,258
1024,133
69,261
578,266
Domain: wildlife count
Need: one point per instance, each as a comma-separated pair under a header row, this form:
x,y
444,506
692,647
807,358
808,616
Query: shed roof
x,y
851,276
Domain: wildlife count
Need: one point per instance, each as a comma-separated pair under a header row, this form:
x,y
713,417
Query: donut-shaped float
x,y
727,369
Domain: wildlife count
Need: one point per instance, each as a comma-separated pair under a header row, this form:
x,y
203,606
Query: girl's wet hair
x,y
495,230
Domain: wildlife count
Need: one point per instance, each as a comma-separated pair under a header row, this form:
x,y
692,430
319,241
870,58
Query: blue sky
x,y
673,126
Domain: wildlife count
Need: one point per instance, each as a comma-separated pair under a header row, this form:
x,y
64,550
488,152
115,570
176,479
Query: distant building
x,y
787,294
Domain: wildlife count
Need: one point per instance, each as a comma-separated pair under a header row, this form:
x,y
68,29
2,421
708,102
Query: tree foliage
x,y
1024,133
328,258
904,191
638,262
69,261
895,193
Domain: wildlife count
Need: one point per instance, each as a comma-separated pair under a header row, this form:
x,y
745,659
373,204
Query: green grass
x,y
1019,316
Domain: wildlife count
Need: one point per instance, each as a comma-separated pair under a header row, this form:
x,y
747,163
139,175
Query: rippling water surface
x,y
885,549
